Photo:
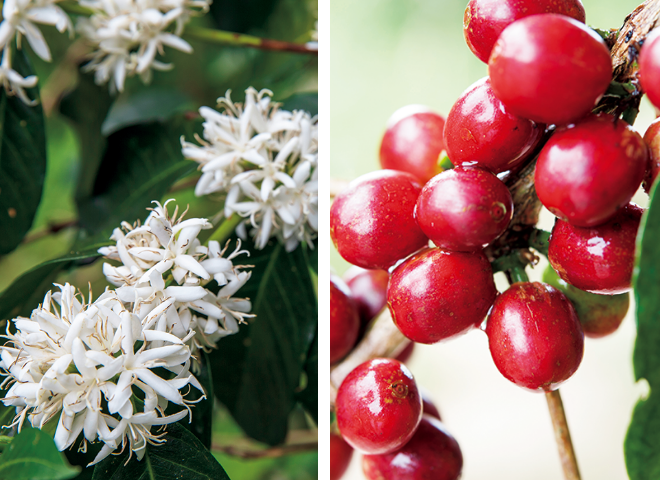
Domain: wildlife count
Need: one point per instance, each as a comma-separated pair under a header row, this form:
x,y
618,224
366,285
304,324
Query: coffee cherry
x,y
480,131
437,294
372,223
549,68
344,320
535,336
378,406
413,142
484,20
652,140
587,171
649,67
431,454
368,290
464,209
599,315
340,456
597,259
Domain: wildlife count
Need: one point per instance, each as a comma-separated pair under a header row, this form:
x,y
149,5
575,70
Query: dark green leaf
x,y
28,290
308,102
242,16
182,456
144,106
309,397
202,418
22,161
87,107
257,371
139,165
32,455
642,444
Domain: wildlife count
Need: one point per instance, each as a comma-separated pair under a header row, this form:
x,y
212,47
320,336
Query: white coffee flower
x,y
82,361
13,82
264,160
127,35
20,16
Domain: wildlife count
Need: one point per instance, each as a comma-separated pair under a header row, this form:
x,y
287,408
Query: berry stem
x,y
210,35
517,274
539,241
562,436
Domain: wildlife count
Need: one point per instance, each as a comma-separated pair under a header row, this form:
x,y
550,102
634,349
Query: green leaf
x,y
28,290
182,456
32,455
22,161
642,443
309,397
308,102
257,371
140,164
202,418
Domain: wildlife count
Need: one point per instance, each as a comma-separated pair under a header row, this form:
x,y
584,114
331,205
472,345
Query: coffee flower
x,y
81,361
264,160
12,81
127,36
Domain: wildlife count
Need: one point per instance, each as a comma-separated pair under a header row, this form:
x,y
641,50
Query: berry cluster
x,y
439,221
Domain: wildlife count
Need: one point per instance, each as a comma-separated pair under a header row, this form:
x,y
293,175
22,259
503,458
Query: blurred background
x,y
197,79
389,53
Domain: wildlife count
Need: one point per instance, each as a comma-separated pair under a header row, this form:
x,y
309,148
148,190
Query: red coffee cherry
x,y
588,171
599,315
649,67
464,209
413,142
368,290
652,140
597,259
340,456
344,320
437,294
480,131
484,20
431,454
372,223
535,336
539,61
378,406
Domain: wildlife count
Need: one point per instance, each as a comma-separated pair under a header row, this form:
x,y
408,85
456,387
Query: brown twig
x,y
562,435
273,452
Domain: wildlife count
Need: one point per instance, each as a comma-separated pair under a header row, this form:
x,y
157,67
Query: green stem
x,y
518,274
539,241
226,228
239,40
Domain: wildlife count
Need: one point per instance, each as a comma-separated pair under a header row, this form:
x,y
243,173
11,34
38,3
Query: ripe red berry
x,y
372,223
649,67
413,142
484,20
652,140
464,209
480,131
432,454
344,320
538,62
597,259
535,336
437,294
340,456
599,315
587,171
369,291
378,406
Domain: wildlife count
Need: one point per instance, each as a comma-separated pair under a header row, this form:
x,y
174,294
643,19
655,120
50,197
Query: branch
x,y
49,230
210,35
562,435
273,452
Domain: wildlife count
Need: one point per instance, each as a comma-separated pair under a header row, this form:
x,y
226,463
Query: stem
x,y
518,274
562,436
225,229
239,40
539,241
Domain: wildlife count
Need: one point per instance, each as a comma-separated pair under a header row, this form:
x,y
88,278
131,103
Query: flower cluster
x,y
86,361
165,250
264,159
127,34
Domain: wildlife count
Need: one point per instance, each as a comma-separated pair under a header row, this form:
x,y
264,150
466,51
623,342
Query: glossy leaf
x,y
642,444
257,371
308,102
28,290
182,456
32,455
22,161
202,418
309,397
